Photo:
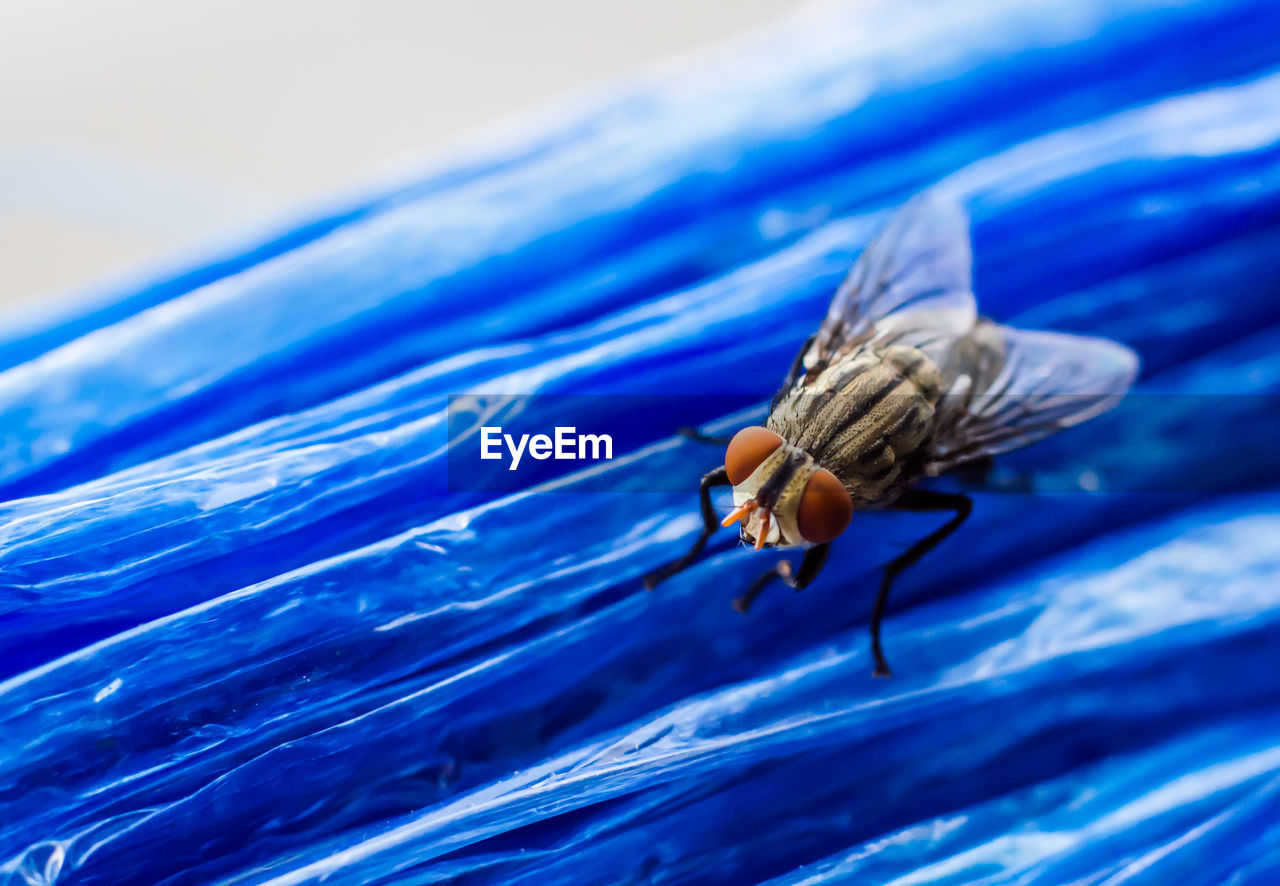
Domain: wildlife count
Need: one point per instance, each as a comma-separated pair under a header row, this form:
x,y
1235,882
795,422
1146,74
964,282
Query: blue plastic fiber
x,y
255,628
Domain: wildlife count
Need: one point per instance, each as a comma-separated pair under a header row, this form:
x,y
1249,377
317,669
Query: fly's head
x,y
781,497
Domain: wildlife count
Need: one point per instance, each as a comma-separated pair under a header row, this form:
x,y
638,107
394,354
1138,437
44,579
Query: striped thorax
x,y
864,419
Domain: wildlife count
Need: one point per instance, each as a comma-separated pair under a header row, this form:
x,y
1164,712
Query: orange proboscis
x,y
740,513
764,530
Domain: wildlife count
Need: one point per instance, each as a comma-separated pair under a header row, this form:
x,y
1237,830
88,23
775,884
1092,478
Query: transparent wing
x,y
1010,387
911,285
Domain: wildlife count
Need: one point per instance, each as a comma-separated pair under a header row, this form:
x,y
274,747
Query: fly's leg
x,y
698,436
814,559
917,500
710,523
976,473
982,475
798,363
797,366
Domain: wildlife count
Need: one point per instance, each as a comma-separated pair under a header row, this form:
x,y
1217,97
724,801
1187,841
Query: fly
x,y
902,382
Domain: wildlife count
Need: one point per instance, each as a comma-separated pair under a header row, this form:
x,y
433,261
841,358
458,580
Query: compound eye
x,y
825,508
748,448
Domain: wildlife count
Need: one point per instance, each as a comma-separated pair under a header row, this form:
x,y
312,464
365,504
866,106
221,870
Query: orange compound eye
x,y
825,508
748,448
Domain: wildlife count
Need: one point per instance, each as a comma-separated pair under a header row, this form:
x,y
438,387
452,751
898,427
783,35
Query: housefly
x,y
903,381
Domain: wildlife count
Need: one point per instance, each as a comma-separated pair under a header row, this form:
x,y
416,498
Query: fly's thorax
x,y
864,418
777,484
915,366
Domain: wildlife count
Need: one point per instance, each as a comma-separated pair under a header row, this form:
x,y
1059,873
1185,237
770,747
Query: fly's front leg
x,y
814,559
917,500
797,366
710,523
698,436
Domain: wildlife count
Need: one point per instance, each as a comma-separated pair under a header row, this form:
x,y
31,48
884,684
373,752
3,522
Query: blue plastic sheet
x,y
251,633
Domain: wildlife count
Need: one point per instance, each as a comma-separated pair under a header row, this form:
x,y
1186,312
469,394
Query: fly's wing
x,y
912,285
1005,388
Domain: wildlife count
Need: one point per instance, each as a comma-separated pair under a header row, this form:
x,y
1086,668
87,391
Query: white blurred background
x,y
132,129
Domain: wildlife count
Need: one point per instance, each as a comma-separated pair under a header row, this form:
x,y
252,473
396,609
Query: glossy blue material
x,y
251,633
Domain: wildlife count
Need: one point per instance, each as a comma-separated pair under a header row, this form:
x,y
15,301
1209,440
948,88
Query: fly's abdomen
x,y
864,418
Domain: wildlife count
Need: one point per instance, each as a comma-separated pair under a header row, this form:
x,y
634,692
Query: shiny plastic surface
x,y
251,634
